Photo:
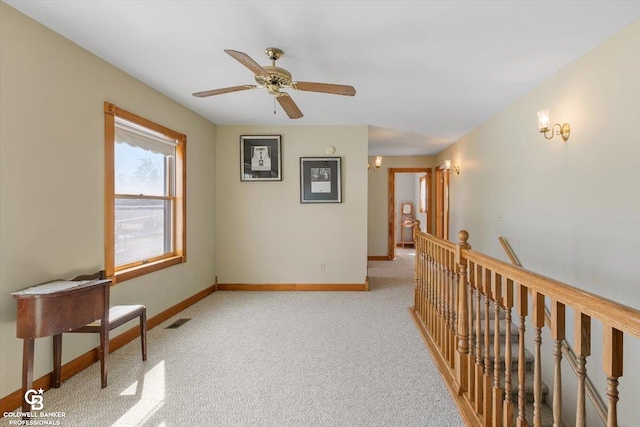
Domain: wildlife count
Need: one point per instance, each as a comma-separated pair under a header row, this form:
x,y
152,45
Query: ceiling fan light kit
x,y
274,79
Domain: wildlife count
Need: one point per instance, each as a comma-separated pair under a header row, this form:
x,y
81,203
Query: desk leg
x,y
57,359
104,354
27,370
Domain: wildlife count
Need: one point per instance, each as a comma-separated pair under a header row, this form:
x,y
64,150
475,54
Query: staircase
x,y
464,303
546,412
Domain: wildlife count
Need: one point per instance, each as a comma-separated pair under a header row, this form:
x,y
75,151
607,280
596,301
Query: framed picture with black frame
x,y
260,158
320,180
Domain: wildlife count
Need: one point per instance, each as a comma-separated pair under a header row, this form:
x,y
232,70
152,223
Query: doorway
x,y
421,206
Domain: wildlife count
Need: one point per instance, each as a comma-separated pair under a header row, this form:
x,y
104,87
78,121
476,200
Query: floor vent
x,y
177,323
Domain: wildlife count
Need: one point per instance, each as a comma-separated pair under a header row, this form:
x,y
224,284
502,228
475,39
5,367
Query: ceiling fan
x,y
274,79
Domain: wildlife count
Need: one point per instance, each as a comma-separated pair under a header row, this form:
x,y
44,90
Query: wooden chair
x,y
118,315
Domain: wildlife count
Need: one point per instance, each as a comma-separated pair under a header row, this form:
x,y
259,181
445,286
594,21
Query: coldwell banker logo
x,y
34,398
36,416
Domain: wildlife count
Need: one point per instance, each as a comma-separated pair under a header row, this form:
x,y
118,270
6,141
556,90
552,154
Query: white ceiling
x,y
426,73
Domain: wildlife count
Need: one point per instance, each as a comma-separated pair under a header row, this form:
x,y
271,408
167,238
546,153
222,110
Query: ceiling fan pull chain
x,y
274,105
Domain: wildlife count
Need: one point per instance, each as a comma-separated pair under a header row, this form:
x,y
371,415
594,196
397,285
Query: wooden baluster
x,y
437,276
423,282
448,310
453,283
461,363
523,312
612,364
417,303
436,287
488,395
558,334
443,300
582,347
423,273
416,278
497,391
507,415
419,260
537,301
479,368
435,294
429,305
428,285
441,292
470,372
446,285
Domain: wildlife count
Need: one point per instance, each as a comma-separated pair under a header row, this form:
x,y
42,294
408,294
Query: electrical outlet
x,y
322,266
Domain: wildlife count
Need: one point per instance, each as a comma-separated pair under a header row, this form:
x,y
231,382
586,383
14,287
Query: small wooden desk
x,y
56,307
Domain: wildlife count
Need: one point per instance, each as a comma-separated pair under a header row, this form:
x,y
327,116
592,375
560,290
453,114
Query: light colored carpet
x,y
274,359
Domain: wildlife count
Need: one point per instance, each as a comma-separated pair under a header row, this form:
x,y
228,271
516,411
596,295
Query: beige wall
x,y
266,236
378,226
570,210
52,181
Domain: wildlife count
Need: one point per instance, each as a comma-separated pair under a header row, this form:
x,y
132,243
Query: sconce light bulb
x,y
543,120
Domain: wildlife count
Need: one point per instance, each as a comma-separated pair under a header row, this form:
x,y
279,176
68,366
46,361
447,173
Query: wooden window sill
x,y
141,270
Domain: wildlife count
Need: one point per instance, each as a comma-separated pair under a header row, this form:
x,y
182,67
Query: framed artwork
x,y
260,158
320,180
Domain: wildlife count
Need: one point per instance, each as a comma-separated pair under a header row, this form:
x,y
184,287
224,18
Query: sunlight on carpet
x,y
152,395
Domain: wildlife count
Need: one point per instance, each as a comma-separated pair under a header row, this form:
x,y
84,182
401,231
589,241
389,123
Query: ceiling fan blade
x,y
325,88
289,106
246,60
223,90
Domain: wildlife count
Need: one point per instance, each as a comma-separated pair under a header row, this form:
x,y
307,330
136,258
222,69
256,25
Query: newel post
x,y
416,228
462,332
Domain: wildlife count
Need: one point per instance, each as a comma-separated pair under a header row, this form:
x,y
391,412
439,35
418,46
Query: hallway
x,y
274,359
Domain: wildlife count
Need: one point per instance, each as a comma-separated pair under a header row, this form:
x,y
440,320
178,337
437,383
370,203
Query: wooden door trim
x,y
439,204
442,201
391,204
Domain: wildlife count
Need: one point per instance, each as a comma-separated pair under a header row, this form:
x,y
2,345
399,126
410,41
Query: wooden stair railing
x,y
568,353
460,295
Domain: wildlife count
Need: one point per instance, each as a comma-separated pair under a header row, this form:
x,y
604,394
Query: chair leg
x,y
143,333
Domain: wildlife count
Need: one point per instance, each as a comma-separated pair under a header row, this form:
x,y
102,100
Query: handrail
x,y
598,402
512,256
461,295
621,317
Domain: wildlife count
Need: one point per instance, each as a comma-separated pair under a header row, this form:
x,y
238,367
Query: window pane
x,y
139,171
141,229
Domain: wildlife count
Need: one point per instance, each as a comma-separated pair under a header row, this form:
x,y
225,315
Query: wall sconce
x,y
447,166
376,164
543,124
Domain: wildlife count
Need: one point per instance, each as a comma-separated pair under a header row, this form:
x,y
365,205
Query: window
x,y
145,186
423,194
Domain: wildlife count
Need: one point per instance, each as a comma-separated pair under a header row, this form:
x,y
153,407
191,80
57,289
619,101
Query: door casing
x,y
391,204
